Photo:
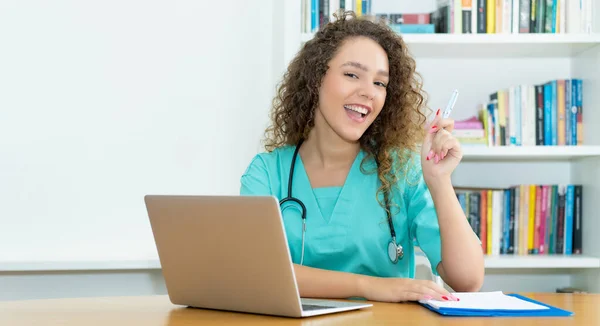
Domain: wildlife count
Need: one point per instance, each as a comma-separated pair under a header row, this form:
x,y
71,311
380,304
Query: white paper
x,y
496,300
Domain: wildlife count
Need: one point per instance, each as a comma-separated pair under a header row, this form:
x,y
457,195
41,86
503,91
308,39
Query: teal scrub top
x,y
346,228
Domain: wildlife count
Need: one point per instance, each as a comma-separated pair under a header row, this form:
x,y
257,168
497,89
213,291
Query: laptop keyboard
x,y
308,307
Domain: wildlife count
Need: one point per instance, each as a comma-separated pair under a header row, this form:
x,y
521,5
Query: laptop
x,y
230,253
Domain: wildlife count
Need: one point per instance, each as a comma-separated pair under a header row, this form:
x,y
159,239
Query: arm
x,y
321,283
462,266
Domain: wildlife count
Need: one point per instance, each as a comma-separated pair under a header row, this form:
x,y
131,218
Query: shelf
x,y
495,153
495,45
541,261
502,261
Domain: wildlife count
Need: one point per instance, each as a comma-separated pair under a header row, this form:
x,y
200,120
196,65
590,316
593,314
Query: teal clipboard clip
x,y
551,312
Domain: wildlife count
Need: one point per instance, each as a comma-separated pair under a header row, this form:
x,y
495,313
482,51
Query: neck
x,y
324,148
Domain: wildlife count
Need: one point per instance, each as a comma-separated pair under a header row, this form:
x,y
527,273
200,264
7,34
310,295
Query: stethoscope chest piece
x,y
395,251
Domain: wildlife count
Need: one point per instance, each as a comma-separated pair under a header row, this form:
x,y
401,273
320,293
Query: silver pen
x,y
451,104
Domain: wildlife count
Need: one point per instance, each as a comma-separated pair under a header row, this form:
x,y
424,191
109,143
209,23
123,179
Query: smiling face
x,y
354,88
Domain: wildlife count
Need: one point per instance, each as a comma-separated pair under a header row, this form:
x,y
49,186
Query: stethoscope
x,y
395,251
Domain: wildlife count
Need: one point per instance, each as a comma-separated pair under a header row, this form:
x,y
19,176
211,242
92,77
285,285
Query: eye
x,y
349,74
384,85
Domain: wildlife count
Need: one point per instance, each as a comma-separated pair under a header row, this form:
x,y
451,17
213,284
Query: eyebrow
x,y
364,68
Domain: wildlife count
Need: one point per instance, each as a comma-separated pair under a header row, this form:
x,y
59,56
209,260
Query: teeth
x,y
356,108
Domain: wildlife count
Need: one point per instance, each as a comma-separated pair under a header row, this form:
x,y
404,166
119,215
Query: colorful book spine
x,y
546,114
513,16
526,219
472,16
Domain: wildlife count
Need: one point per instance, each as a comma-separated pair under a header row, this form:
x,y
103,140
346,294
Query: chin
x,y
352,136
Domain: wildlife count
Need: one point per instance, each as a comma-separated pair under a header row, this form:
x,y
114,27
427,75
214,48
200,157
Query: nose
x,y
368,91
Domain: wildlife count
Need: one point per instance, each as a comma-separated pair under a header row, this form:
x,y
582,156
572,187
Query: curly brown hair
x,y
397,130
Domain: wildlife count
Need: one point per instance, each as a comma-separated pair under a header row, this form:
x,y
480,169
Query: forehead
x,y
363,50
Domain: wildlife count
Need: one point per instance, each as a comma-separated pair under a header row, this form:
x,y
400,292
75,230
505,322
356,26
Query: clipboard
x,y
551,312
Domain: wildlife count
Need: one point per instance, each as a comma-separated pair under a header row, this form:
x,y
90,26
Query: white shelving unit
x,y
479,65
491,262
539,262
539,153
495,45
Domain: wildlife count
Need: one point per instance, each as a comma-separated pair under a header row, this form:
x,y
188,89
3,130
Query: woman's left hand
x,y
441,151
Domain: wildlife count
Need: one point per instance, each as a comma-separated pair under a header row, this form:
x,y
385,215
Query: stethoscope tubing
x,y
394,253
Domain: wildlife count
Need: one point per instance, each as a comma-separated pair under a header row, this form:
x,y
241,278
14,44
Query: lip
x,y
369,109
359,119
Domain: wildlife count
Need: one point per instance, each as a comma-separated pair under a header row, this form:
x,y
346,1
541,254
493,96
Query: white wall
x,y
77,284
103,102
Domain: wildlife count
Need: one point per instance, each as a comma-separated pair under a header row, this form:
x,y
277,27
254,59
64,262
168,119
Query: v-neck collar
x,y
347,199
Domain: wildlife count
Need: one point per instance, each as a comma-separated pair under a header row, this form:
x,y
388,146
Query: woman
x,y
348,116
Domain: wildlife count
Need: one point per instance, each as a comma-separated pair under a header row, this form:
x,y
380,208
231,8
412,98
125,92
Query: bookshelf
x,y
479,65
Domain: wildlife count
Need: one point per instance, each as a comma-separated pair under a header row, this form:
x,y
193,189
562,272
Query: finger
x,y
439,139
437,117
437,143
429,292
413,296
430,288
444,144
446,124
438,124
439,292
432,127
439,134
448,146
445,295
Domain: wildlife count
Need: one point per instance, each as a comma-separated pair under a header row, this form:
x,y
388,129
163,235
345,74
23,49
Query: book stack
x,y
470,132
527,219
535,115
408,23
317,13
513,16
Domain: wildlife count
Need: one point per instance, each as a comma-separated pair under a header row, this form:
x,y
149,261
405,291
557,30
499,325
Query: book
x,y
513,16
494,303
544,113
526,219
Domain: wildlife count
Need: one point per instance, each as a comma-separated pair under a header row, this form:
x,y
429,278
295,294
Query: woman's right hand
x,y
402,289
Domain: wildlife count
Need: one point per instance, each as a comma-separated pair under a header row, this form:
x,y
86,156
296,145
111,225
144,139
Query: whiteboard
x,y
104,102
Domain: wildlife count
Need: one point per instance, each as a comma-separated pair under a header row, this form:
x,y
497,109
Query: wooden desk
x,y
158,310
